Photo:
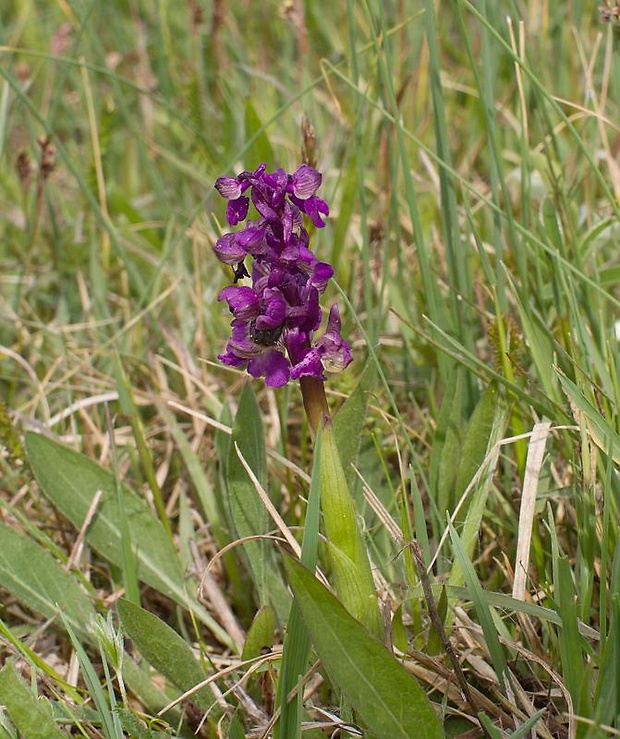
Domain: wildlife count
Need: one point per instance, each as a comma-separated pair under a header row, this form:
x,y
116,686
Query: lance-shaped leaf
x,y
38,581
385,696
349,558
70,481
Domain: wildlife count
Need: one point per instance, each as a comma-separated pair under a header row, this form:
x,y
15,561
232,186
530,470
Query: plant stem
x,y
315,402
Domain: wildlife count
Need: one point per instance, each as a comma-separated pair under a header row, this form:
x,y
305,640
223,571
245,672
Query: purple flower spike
x,y
275,319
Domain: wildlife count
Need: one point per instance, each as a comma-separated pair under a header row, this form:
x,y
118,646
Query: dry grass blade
x,y
533,465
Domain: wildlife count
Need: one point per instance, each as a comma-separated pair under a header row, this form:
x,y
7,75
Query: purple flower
x,y
229,250
275,319
331,352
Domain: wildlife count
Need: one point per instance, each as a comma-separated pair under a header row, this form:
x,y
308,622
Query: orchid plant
x,y
274,335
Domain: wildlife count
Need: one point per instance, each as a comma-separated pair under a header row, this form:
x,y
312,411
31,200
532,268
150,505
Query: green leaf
x,y
70,481
447,444
106,710
540,342
487,426
260,634
349,557
476,442
481,604
386,697
603,434
25,711
297,648
39,582
134,728
165,650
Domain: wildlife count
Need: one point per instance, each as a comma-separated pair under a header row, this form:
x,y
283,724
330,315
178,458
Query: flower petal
x,y
243,302
228,187
273,312
314,207
237,210
231,359
335,352
309,366
321,275
228,250
305,181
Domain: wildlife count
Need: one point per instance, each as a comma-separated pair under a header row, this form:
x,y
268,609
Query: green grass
x,y
469,154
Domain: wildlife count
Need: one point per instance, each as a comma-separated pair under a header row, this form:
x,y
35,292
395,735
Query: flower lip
x,y
274,365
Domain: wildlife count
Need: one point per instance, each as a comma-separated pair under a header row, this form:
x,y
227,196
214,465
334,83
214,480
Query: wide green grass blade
x,y
480,447
249,516
603,434
26,711
386,697
481,605
70,481
447,443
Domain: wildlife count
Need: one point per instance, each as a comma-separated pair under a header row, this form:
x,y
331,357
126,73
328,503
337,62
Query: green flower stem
x,y
315,402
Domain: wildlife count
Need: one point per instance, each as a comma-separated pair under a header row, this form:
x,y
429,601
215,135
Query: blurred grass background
x,y
470,159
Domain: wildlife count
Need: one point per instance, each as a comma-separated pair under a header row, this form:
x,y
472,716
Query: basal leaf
x,y
386,697
349,557
165,650
260,634
38,581
26,712
70,481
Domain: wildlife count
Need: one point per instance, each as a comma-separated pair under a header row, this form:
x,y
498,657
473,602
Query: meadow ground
x,y
155,504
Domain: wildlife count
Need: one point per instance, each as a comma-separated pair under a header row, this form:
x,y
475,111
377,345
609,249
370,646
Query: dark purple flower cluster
x,y
275,318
